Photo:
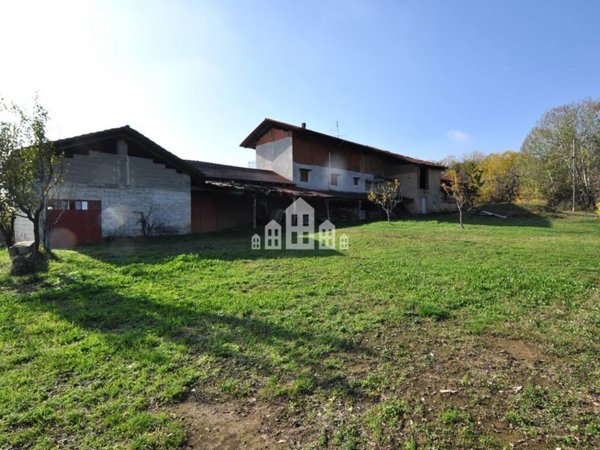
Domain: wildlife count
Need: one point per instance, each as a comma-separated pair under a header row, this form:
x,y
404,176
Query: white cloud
x,y
457,136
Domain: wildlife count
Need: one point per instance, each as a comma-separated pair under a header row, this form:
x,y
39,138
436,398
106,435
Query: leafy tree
x,y
470,174
30,167
387,195
458,189
547,152
500,176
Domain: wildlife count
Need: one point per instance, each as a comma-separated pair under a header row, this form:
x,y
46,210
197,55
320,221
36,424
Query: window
x,y
334,179
424,177
356,181
294,220
305,220
80,205
304,175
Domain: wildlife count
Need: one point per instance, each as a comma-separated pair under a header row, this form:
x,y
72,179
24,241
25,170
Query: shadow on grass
x,y
518,216
226,246
246,344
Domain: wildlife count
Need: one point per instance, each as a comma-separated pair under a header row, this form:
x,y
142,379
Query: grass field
x,y
419,336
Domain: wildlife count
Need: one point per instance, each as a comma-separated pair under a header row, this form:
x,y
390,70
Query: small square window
x,y
356,181
334,179
305,220
304,175
80,205
294,220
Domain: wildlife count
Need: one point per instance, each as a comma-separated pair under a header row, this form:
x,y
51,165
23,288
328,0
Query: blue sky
x,y
423,78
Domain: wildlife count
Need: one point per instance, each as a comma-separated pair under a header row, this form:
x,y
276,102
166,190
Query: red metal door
x,y
71,227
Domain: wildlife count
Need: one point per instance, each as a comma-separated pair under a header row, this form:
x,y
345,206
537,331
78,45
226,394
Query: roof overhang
x,y
303,132
127,133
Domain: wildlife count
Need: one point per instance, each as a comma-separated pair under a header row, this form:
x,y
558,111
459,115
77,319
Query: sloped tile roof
x,y
267,124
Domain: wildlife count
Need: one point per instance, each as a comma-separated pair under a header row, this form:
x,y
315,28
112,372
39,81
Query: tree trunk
x,y
460,217
8,232
36,235
46,244
388,215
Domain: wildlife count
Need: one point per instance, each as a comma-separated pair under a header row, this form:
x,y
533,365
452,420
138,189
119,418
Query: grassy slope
x,y
357,344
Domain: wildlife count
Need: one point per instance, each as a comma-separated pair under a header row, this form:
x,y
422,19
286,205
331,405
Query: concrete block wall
x,y
110,170
121,208
127,185
23,229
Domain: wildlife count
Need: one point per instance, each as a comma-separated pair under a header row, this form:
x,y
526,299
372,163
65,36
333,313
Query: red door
x,y
204,213
80,224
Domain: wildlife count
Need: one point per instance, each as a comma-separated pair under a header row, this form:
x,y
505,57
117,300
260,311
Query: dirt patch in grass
x,y
519,350
247,424
424,384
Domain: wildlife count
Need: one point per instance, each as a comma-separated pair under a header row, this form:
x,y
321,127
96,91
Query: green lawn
x,y
199,341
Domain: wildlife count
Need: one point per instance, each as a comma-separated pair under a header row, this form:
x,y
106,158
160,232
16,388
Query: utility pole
x,y
573,208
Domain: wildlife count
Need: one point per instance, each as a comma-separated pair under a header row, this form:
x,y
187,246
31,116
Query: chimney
x,y
303,124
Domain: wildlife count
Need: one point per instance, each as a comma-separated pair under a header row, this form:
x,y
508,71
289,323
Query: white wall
x,y
319,178
23,229
276,156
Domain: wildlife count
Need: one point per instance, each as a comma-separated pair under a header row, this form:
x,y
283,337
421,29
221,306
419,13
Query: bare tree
x,y
30,166
387,195
150,223
458,190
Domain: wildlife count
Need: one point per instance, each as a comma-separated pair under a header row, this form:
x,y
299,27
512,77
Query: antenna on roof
x,y
337,130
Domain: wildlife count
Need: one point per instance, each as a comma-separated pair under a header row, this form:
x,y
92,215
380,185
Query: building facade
x,y
324,163
118,182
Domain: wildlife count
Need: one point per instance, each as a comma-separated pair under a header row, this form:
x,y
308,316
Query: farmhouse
x,y
118,182
344,171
